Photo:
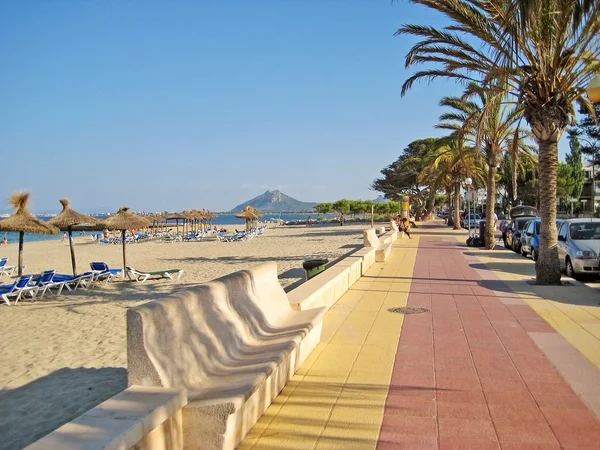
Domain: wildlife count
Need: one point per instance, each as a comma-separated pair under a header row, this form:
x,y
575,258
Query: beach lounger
x,y
141,277
102,272
17,289
45,281
73,282
5,269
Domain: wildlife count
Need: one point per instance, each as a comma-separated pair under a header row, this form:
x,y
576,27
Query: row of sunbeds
x,y
242,235
36,286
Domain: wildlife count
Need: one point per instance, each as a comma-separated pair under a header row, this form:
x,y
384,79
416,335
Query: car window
x,y
585,231
521,224
537,228
563,231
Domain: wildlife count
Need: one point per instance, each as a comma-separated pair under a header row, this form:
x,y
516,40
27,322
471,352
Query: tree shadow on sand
x,y
37,408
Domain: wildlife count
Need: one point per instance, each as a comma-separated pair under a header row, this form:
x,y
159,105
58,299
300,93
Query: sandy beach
x,y
61,356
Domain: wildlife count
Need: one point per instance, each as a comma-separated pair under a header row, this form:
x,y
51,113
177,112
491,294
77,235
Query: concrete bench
x,y
382,245
233,343
327,288
139,417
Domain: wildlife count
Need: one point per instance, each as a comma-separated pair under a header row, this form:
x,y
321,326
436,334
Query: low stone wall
x,y
328,287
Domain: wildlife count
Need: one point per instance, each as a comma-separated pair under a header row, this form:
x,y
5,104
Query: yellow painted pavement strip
x,y
573,311
337,398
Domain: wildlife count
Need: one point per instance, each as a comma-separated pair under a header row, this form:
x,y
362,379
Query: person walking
x,y
405,226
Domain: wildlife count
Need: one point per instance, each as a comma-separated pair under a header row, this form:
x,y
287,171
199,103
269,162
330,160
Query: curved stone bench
x,y
383,244
233,343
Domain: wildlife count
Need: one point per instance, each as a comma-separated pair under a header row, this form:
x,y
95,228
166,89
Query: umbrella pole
x,y
72,251
21,236
124,256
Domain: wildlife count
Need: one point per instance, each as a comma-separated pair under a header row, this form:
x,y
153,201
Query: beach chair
x,y
45,281
141,277
6,269
17,289
103,273
72,283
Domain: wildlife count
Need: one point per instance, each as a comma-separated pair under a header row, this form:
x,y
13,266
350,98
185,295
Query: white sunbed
x,y
141,277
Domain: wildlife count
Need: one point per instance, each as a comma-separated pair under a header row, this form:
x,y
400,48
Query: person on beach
x,y
405,226
309,221
4,241
342,219
64,237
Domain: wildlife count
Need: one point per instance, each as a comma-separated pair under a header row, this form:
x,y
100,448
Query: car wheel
x,y
569,268
523,252
534,255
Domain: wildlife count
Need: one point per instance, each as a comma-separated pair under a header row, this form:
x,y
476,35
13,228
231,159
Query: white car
x,y
473,221
579,247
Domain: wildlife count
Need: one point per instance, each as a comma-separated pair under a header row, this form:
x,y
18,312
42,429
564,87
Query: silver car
x,y
579,246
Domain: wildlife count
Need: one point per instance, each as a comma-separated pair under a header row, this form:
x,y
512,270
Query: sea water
x,y
221,219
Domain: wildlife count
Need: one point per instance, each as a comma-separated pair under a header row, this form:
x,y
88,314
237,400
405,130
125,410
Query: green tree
x,y
402,176
565,183
540,52
382,208
324,208
576,164
342,206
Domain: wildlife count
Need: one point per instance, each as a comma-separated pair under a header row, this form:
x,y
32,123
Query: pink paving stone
x,y
442,361
416,376
462,410
567,401
453,443
466,428
390,441
516,413
398,403
527,433
394,425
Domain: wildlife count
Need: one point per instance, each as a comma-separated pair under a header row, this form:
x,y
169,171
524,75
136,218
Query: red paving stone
x,y
467,374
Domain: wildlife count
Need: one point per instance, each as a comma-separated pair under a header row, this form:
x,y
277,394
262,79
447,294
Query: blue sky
x,y
162,105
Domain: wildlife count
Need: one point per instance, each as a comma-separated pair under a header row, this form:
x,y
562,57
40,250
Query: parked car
x,y
512,236
472,222
530,238
579,247
514,213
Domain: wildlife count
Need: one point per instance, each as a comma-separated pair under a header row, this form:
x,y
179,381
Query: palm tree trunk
x,y
514,179
490,231
547,266
456,206
430,206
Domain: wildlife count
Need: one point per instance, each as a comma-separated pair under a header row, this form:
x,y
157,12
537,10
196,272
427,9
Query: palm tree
x,y
541,52
447,164
491,125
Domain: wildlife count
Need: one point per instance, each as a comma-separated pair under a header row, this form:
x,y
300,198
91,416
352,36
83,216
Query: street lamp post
x,y
593,92
468,182
594,150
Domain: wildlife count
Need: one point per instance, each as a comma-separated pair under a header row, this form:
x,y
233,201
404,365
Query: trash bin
x,y
313,267
482,233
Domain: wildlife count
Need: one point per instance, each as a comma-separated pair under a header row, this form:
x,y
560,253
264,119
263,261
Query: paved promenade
x,y
494,362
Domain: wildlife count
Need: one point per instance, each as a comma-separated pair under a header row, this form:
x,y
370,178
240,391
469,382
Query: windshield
x,y
585,231
521,224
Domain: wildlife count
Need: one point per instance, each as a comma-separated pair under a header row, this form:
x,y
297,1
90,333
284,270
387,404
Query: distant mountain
x,y
381,199
275,201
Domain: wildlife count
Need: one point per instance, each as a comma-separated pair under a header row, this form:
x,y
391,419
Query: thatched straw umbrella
x,y
66,219
125,220
249,214
24,222
176,217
